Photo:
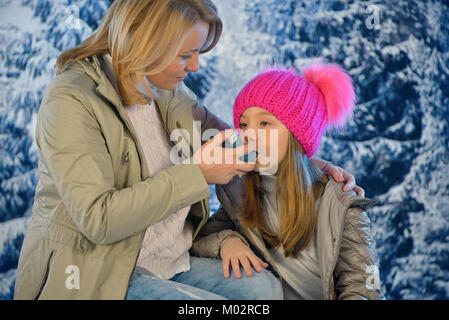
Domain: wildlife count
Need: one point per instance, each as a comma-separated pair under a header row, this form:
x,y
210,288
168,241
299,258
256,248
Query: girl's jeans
x,y
204,281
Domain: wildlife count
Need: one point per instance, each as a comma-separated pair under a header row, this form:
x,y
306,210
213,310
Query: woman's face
x,y
268,133
185,61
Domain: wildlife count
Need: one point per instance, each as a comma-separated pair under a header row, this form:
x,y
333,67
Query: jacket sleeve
x,y
357,273
208,119
200,113
217,229
75,153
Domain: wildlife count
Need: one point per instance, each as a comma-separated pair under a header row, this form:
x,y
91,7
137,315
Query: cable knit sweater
x,y
166,244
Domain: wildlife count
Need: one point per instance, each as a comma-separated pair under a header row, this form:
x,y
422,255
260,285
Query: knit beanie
x,y
322,98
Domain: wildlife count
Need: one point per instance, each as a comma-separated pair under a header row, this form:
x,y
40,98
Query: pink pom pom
x,y
336,87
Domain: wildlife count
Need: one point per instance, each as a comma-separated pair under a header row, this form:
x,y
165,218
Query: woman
x,y
113,217
315,236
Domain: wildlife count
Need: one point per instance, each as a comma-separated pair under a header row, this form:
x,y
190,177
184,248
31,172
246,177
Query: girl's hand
x,y
340,175
235,253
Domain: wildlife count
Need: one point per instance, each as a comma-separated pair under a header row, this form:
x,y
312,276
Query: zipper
x,y
281,280
130,128
44,280
136,142
262,253
337,249
135,263
202,222
125,158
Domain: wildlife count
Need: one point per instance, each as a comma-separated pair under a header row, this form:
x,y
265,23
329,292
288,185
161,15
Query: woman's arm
x,y
217,229
75,153
218,239
208,119
357,272
201,113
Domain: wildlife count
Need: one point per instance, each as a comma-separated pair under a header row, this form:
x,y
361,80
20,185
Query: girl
x,y
315,236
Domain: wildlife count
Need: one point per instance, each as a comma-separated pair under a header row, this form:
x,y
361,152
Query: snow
x,y
397,144
15,14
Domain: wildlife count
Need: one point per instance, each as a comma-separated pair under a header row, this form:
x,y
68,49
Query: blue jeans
x,y
204,281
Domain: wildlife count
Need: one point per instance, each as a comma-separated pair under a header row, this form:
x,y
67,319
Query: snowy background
x,y
397,144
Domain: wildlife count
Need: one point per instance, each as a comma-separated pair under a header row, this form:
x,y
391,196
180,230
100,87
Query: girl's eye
x,y
265,123
242,125
186,57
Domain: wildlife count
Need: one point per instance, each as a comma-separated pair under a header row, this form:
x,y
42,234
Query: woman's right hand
x,y
219,165
235,253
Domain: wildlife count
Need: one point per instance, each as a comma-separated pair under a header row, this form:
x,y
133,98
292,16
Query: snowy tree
x,y
397,53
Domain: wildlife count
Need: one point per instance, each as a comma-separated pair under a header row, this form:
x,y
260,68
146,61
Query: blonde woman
x,y
114,216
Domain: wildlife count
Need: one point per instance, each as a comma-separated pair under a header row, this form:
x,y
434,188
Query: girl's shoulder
x,y
333,191
336,207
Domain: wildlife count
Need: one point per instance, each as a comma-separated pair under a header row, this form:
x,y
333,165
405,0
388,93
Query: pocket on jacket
x,y
45,276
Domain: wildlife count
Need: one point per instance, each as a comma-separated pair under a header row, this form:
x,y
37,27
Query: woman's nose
x,y
193,63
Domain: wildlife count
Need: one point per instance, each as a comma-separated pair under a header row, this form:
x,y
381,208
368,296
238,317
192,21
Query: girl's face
x,y
262,127
185,61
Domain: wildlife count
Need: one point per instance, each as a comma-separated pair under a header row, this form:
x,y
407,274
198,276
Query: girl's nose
x,y
250,136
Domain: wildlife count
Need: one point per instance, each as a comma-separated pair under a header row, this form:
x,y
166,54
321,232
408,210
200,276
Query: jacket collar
x,y
174,106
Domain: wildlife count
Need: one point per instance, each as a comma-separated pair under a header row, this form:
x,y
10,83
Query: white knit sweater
x,y
166,244
165,247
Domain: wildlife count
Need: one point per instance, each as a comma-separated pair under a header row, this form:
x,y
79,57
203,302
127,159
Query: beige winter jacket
x,y
95,198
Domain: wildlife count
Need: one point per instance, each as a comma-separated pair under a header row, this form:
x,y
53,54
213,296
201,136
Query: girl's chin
x,y
265,169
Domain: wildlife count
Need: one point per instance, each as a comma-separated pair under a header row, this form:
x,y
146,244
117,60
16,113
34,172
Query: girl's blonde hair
x,y
299,184
143,38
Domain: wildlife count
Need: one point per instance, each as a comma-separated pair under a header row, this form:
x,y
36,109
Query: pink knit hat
x,y
322,98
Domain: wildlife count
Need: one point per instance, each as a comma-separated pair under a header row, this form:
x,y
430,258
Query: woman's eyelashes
x,y
185,57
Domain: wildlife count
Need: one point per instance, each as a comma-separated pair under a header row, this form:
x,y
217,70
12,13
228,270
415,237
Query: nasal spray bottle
x,y
235,141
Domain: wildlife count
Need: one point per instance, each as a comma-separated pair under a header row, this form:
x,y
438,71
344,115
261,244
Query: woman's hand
x,y
340,175
235,253
219,165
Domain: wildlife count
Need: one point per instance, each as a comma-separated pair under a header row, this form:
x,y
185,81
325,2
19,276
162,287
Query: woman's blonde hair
x,y
143,38
299,184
